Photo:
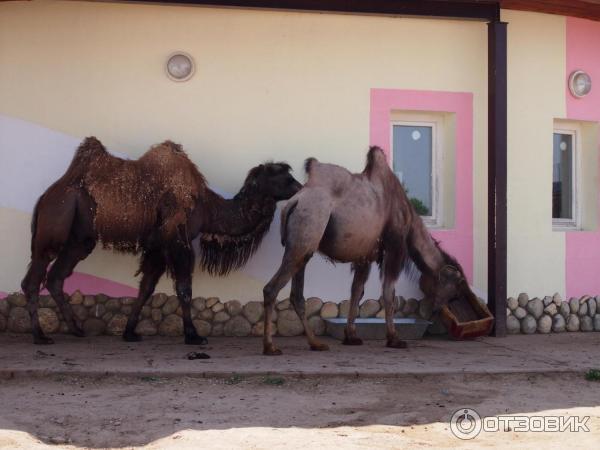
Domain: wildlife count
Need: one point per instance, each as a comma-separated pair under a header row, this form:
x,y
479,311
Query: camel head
x,y
449,283
272,180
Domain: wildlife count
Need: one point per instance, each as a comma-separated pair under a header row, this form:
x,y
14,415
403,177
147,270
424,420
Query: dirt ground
x,y
273,411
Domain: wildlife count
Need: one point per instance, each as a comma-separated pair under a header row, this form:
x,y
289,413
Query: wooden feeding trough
x,y
467,318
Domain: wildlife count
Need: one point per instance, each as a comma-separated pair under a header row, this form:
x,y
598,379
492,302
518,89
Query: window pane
x,y
562,177
412,164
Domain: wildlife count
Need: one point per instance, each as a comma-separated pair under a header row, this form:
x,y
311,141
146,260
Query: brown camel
x,y
155,206
358,218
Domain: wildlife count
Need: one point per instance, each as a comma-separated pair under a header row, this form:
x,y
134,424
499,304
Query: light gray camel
x,y
358,218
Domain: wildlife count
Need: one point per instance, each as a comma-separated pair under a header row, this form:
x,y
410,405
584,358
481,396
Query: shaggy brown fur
x,y
156,206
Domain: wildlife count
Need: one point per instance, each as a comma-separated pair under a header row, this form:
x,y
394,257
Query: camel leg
x,y
152,267
286,271
72,253
31,288
297,299
361,275
181,257
392,265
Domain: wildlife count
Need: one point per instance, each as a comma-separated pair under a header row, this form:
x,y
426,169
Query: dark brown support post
x,y
497,174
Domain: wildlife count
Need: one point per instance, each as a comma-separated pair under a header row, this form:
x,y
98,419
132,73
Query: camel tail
x,y
34,222
285,215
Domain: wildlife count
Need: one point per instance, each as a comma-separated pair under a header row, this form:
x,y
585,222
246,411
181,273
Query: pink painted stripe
x,y
458,240
90,284
582,265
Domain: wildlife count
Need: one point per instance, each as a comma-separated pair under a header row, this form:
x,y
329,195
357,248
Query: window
x,y
415,162
565,171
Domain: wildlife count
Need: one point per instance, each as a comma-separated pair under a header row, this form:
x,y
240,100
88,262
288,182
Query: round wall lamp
x,y
180,66
580,83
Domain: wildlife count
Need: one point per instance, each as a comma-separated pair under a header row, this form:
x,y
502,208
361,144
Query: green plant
x,y
274,381
593,375
234,379
419,206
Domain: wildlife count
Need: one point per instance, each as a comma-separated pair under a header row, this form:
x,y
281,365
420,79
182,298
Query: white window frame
x,y
573,223
435,219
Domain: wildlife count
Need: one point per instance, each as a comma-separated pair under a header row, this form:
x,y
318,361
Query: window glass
x,y
562,177
413,153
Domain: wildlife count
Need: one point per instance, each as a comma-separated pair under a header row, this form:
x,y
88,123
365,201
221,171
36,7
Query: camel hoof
x,y
131,337
352,341
396,343
42,340
272,351
318,347
196,340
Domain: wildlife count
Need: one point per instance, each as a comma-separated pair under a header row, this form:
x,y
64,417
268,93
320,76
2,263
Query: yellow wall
x,y
536,96
283,85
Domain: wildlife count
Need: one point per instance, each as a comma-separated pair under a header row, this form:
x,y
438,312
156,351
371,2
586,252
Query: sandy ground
x,y
102,392
275,412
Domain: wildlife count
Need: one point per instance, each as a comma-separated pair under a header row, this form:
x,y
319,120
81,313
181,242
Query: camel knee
x,y
269,294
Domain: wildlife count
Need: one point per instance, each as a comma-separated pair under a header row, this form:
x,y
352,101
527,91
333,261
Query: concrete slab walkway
x,y
160,356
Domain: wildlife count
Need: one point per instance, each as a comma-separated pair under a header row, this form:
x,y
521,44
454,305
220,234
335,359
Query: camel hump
x,y
375,158
170,145
309,163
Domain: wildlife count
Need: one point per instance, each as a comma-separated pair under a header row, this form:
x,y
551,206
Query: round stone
x,y
258,329
557,299
146,328
528,324
237,326
2,323
547,300
597,322
5,307
411,306
535,307
317,325
113,304
400,302
288,323
380,314
211,301
156,315
206,314
199,303
573,323
253,311
313,306
89,301
202,327
328,311
170,306
426,308
558,323
583,309
64,329
101,298
17,299
158,300
592,307
344,308
106,317
19,320
551,309
221,317
146,312
523,299
172,325
79,311
48,320
564,309
512,303
544,324
128,300
179,311
98,310
233,308
513,326
574,305
283,304
116,325
369,308
76,298
94,327
217,329
586,324
519,313
217,307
